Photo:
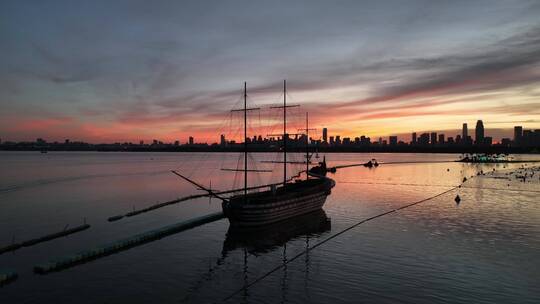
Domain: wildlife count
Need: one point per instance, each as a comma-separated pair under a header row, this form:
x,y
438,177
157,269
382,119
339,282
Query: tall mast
x,y
245,141
307,146
284,132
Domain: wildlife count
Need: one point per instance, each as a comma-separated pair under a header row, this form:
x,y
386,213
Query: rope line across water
x,y
260,278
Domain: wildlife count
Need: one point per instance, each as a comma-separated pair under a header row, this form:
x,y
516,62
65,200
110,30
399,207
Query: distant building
x,y
413,140
518,135
423,139
433,138
441,139
479,132
528,138
66,141
141,142
392,140
222,140
325,135
191,140
464,131
177,143
332,140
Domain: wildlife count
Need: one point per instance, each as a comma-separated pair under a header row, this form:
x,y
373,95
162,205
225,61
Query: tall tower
x,y
518,135
464,132
479,132
325,135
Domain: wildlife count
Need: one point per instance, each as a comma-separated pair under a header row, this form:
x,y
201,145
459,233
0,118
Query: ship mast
x,y
284,132
307,146
245,169
245,141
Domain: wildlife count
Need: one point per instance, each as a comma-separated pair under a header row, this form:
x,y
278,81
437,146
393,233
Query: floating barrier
x,y
124,244
182,199
7,277
115,218
45,238
153,207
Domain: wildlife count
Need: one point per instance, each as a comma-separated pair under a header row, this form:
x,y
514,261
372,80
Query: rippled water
x,y
484,250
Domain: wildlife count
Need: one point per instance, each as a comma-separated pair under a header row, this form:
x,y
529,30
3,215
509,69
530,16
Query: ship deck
x,y
290,190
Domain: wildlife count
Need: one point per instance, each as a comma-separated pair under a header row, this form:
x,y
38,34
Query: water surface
x,y
483,250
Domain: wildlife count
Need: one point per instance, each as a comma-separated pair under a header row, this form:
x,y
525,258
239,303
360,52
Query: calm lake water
x,y
484,250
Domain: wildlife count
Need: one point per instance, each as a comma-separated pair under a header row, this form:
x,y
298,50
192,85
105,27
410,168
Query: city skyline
x,y
521,138
172,71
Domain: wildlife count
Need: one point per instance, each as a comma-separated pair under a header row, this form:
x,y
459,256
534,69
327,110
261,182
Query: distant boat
x,y
280,202
372,163
321,169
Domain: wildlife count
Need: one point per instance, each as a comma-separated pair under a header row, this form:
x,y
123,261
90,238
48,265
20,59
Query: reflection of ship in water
x,y
270,237
257,241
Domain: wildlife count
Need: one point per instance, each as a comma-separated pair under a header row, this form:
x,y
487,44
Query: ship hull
x,y
269,207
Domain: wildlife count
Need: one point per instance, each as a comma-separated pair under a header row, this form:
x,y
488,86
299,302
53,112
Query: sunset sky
x,y
107,71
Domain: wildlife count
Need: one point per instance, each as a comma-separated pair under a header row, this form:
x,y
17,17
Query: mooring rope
x,y
391,184
260,278
502,189
398,163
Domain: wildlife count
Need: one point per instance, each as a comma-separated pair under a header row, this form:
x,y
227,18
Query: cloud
x,y
181,66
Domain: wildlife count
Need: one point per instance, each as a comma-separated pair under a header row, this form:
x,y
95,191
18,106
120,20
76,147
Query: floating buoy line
x,y
45,238
124,244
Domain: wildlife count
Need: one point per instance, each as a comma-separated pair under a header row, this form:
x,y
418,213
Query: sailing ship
x,y
280,201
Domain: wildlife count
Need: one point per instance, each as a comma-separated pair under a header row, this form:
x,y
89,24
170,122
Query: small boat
x,y
372,163
321,169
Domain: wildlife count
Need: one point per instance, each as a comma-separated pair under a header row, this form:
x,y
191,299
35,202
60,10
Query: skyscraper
x,y
413,138
222,140
392,140
465,131
518,134
479,132
441,138
325,135
433,138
